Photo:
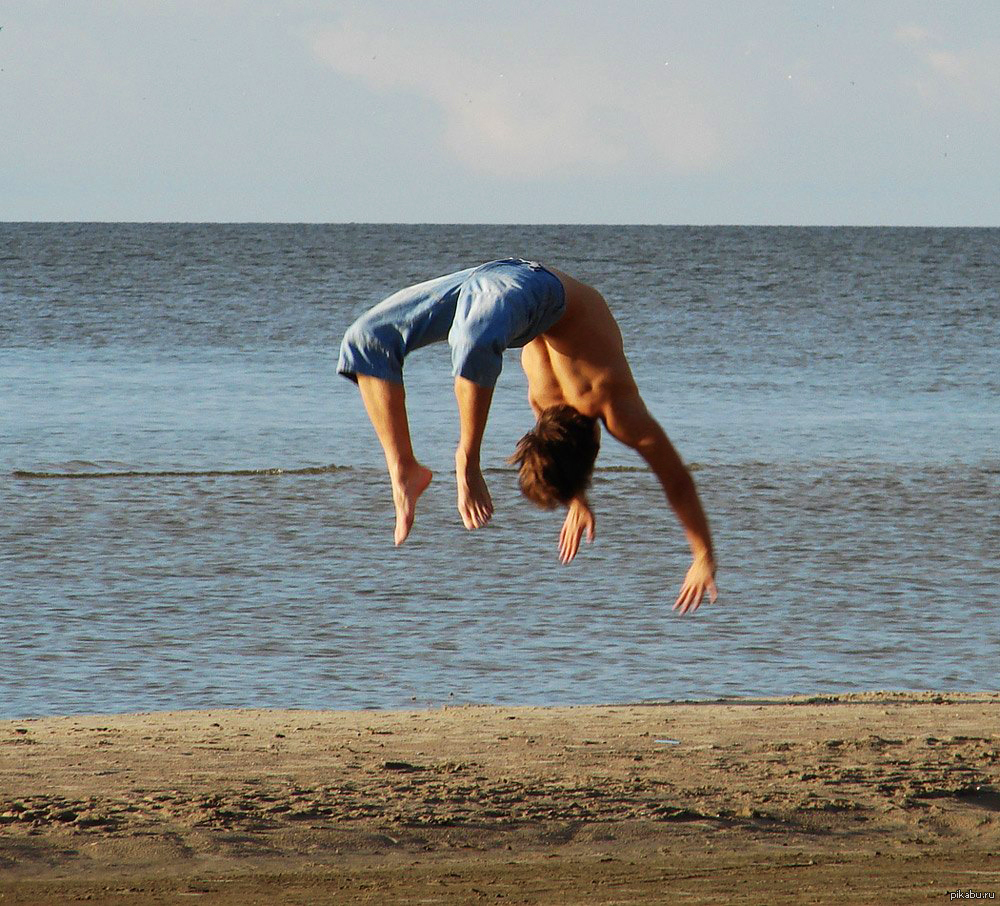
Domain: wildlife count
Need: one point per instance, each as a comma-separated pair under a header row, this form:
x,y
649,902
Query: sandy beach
x,y
888,798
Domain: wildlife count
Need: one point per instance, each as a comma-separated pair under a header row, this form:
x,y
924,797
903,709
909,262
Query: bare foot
x,y
405,493
474,502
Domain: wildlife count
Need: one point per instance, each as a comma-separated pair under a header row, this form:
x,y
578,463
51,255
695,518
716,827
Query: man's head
x,y
556,459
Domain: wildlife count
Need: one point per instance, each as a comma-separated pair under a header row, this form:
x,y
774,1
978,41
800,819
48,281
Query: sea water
x,y
194,510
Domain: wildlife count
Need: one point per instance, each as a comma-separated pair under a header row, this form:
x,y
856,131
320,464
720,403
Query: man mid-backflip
x,y
577,373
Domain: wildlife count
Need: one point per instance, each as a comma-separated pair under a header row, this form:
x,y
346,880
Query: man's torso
x,y
580,361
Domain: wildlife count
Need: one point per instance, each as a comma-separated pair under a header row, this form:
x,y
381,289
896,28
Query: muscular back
x,y
579,361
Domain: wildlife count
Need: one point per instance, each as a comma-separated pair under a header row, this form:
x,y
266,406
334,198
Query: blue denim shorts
x,y
480,311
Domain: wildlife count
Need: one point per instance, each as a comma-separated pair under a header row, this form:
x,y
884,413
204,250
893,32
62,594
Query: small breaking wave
x,y
47,475
691,467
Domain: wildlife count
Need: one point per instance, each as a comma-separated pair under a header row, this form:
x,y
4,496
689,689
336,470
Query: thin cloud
x,y
913,35
969,77
530,110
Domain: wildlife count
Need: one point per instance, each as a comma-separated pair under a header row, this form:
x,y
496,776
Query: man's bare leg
x,y
474,502
385,402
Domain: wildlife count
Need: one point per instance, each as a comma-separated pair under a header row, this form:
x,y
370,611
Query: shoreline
x,y
875,696
841,798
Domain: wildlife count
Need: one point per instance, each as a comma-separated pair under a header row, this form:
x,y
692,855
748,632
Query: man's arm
x,y
628,420
474,502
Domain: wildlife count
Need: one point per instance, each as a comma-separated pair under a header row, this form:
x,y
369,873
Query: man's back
x,y
580,361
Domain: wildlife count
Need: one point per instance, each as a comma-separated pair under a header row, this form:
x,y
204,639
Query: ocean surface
x,y
194,511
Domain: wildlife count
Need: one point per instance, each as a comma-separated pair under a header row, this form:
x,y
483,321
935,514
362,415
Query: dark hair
x,y
556,459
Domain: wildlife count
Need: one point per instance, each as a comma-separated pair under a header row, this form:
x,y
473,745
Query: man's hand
x,y
699,580
475,505
579,518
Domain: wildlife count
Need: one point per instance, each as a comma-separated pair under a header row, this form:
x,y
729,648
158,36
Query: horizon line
x,y
513,223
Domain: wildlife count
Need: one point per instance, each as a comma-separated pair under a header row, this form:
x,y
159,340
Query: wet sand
x,y
881,798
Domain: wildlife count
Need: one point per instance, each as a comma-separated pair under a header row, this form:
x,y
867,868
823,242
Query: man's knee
x,y
373,348
478,338
479,362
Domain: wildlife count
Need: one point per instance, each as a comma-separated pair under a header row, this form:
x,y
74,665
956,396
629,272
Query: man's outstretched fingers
x,y
579,519
569,544
700,579
689,599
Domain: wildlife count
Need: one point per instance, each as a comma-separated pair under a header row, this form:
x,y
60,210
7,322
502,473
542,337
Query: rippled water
x,y
195,513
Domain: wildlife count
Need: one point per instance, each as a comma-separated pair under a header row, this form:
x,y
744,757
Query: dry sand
x,y
881,798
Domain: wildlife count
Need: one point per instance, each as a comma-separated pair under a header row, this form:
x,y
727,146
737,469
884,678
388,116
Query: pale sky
x,y
550,111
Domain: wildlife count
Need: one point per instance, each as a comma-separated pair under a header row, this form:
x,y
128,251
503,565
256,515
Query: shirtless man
x,y
577,374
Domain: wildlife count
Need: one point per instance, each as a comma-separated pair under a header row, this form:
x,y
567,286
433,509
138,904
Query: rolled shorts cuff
x,y
369,359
